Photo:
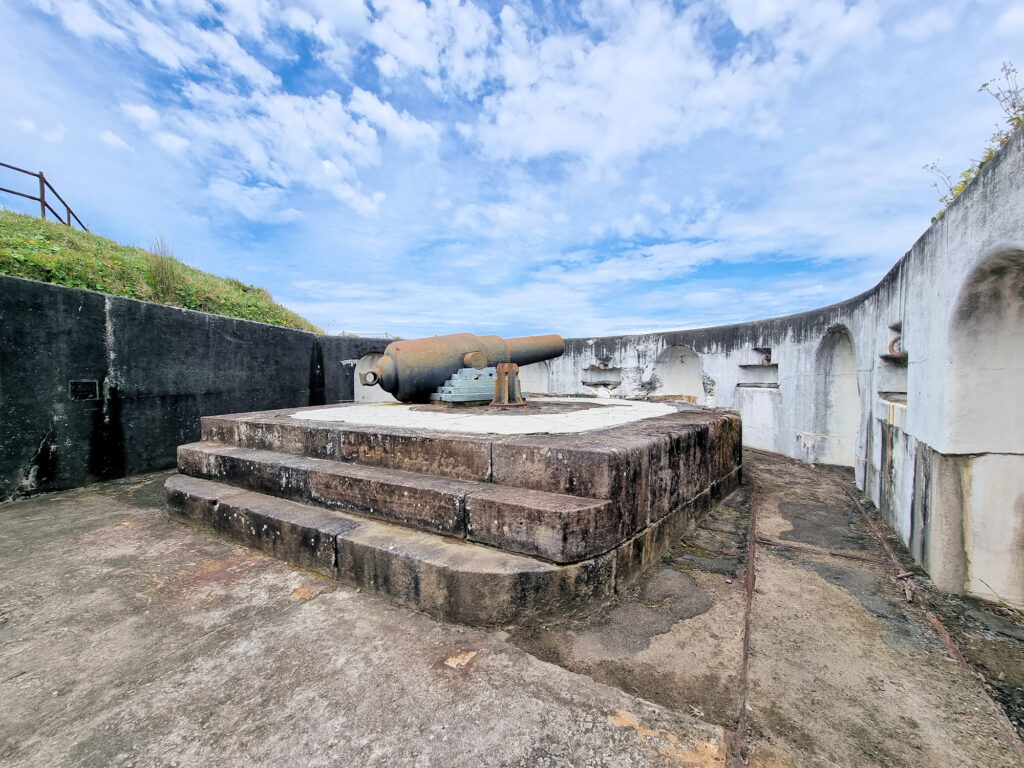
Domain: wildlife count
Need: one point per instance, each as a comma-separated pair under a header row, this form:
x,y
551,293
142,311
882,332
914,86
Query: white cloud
x,y
300,19
54,135
345,17
653,201
28,126
647,264
143,115
651,80
1011,22
260,203
401,125
160,41
113,140
225,48
447,42
926,25
283,139
82,19
524,212
364,205
170,142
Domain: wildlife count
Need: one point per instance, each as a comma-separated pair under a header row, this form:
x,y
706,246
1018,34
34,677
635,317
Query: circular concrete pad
x,y
603,415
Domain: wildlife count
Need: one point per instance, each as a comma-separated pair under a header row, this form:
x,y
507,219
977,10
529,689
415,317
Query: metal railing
x,y
44,204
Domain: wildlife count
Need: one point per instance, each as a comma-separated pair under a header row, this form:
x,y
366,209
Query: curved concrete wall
x,y
918,384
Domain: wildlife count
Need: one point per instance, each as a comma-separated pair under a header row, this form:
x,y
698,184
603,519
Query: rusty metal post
x,y
507,389
42,195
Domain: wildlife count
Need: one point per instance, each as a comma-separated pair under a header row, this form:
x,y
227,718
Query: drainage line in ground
x,y
812,550
739,745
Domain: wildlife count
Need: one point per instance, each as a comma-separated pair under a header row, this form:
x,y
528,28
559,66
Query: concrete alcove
x,y
601,379
985,401
678,372
372,394
984,419
837,404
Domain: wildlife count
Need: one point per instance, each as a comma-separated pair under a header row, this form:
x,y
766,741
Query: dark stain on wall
x,y
317,378
106,442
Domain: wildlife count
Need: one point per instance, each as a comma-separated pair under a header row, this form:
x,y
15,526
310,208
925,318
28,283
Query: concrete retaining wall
x,y
94,387
936,438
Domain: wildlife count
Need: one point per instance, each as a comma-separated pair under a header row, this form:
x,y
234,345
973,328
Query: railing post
x,y
42,195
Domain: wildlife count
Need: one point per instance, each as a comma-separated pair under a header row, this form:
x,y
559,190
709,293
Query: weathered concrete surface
x,y
650,480
555,527
444,577
840,665
841,670
127,639
130,640
440,576
537,416
647,468
676,638
96,387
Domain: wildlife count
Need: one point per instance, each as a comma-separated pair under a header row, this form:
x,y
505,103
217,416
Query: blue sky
x,y
592,168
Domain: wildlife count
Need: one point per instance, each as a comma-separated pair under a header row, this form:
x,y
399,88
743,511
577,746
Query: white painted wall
x,y
944,460
534,378
994,523
372,394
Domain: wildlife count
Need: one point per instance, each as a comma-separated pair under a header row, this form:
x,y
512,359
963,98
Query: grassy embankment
x,y
54,253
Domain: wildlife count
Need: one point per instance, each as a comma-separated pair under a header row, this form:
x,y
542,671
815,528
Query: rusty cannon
x,y
412,369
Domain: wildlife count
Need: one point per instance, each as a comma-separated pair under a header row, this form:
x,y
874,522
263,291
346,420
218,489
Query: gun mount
x,y
412,369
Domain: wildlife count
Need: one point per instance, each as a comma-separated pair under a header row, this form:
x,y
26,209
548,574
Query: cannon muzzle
x,y
412,369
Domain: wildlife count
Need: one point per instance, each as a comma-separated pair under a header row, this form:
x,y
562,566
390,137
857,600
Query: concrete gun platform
x,y
481,518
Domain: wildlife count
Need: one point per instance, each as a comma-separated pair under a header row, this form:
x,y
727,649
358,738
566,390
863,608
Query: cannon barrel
x,y
412,369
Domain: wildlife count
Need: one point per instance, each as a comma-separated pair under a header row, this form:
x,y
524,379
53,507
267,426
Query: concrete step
x,y
646,469
556,527
446,578
459,456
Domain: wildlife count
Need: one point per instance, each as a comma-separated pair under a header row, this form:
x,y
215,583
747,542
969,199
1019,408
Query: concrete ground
x,y
126,639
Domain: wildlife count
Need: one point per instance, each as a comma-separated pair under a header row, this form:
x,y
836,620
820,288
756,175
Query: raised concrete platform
x,y
541,415
495,523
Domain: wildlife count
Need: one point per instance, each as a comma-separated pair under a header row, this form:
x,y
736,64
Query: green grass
x,y
54,253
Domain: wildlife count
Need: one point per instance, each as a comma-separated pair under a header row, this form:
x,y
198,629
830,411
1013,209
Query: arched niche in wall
x,y
534,378
678,372
372,394
837,398
984,419
985,385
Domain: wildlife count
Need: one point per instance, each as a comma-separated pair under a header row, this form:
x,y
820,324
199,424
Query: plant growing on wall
x,y
1007,92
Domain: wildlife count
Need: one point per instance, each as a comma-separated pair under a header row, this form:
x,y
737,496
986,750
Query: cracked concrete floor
x,y
126,639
